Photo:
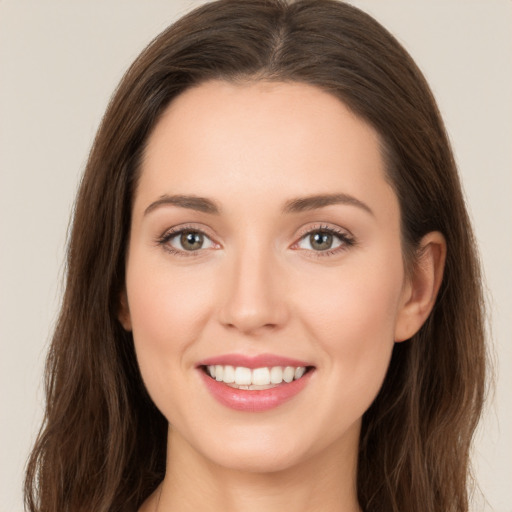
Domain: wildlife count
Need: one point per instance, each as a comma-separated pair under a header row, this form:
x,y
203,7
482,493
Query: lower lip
x,y
254,400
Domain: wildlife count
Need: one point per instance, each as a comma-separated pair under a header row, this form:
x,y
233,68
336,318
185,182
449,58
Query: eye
x,y
325,240
186,240
319,241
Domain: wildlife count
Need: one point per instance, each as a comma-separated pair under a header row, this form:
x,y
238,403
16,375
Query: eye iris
x,y
321,240
191,241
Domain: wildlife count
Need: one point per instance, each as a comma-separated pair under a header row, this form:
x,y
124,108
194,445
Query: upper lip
x,y
258,361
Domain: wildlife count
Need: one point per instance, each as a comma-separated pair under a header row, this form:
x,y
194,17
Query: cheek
x,y
353,322
166,299
352,302
168,311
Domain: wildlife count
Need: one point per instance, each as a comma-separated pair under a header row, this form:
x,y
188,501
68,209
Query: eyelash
x,y
346,240
174,232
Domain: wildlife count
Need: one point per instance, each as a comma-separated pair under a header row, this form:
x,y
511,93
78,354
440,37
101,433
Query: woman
x,y
273,297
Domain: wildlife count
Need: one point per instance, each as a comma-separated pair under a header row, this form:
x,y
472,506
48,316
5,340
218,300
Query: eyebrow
x,y
297,205
314,202
200,204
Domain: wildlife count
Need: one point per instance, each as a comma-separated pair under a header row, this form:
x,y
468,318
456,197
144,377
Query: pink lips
x,y
253,400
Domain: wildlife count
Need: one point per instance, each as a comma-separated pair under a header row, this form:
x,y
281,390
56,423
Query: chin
x,y
260,457
264,458
271,449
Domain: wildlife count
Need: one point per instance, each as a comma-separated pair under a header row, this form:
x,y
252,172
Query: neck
x,y
324,482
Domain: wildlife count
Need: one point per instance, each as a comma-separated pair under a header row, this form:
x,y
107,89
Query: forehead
x,y
265,139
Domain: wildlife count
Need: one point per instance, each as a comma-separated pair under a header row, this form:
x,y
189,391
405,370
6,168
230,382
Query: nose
x,y
254,293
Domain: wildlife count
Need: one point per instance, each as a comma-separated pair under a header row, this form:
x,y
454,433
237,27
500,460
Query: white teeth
x,y
288,374
243,376
299,372
261,376
258,378
229,374
276,375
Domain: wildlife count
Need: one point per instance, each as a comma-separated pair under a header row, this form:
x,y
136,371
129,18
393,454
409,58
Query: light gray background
x,y
59,63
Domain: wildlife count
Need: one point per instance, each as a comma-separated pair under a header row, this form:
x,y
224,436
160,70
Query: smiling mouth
x,y
240,377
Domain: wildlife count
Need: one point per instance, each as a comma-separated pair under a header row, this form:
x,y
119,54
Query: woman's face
x,y
264,235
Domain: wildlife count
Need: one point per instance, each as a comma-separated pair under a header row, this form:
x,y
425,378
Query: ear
x,y
123,314
421,288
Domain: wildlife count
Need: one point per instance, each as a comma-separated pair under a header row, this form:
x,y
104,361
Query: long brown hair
x,y
103,443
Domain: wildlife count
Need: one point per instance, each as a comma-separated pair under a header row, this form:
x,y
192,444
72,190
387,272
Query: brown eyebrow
x,y
302,204
297,205
201,204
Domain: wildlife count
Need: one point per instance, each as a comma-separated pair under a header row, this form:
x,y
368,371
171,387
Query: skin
x,y
257,285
